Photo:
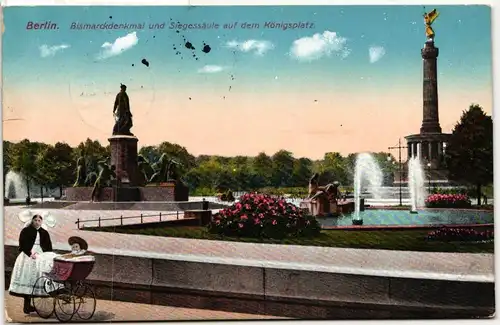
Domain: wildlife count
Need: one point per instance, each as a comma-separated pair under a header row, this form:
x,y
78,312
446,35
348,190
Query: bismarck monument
x,y
128,176
430,144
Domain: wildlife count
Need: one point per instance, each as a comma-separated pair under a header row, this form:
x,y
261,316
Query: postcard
x,y
167,163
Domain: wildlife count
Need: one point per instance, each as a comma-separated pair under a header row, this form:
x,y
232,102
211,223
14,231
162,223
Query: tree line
x,y
55,166
469,160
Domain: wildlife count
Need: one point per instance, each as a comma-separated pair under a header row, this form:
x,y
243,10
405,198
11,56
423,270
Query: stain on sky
x,y
187,44
206,48
230,84
232,79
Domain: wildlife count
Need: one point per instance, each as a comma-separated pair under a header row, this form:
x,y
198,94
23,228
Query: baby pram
x,y
65,292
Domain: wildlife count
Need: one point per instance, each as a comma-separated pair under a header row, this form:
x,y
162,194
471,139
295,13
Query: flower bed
x,y
263,216
447,201
460,234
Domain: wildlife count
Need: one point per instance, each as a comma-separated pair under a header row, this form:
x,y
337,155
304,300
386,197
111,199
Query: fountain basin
x,y
435,217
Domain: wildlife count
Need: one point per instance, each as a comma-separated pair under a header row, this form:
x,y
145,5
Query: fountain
x,y
416,180
15,186
366,170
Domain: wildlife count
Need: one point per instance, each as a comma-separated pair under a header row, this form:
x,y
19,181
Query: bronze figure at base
x,y
322,200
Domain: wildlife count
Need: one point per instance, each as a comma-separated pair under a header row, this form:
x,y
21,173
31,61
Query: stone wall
x,y
158,193
85,193
281,292
147,193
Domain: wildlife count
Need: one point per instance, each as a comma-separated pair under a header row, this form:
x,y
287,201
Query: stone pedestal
x,y
124,158
319,207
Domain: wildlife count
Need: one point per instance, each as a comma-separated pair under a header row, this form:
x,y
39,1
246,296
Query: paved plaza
x,y
439,266
116,311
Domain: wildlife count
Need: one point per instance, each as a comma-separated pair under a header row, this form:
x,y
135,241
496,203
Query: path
x,y
116,311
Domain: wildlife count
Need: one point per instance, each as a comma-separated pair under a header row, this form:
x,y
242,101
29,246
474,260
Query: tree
x,y
23,161
262,167
206,174
46,168
302,170
240,161
56,166
151,153
469,153
388,164
334,168
179,153
93,152
7,148
282,168
201,158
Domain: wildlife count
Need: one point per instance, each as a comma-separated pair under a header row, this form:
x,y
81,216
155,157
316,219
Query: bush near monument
x,y
460,234
448,201
262,216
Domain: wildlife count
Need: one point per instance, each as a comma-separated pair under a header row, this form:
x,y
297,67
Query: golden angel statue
x,y
429,18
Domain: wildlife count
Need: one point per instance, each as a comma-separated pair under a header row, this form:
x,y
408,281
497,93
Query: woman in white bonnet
x,y
30,264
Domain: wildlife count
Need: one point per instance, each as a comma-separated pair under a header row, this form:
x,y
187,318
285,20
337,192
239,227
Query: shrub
x,y
263,216
447,201
203,191
459,234
450,190
293,192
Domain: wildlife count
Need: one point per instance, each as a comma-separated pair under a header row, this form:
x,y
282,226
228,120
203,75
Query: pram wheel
x,y
85,301
43,296
64,305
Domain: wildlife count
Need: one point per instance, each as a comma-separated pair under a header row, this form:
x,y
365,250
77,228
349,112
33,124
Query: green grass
x,y
407,240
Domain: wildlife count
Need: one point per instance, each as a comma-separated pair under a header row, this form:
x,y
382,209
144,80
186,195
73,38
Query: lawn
x,y
408,240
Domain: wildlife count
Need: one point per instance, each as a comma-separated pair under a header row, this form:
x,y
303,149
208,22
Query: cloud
x,y
120,45
257,46
318,46
376,53
211,69
46,51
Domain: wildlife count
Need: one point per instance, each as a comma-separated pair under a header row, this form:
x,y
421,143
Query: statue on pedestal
x,y
121,111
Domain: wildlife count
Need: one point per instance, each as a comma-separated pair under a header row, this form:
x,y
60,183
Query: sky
x,y
345,79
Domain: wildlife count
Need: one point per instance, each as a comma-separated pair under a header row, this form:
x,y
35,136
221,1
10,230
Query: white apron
x,y
27,270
